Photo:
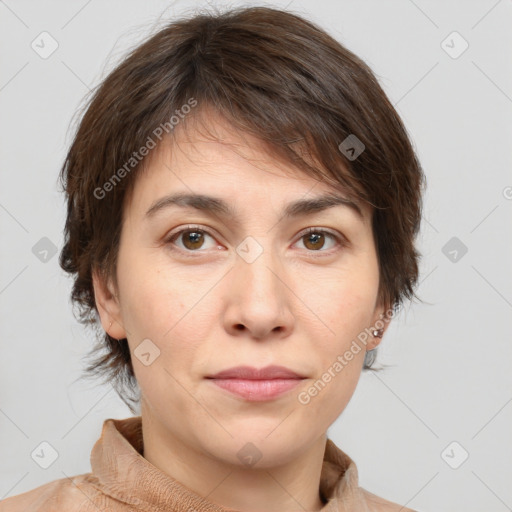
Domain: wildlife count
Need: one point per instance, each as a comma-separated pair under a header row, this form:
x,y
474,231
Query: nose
x,y
258,299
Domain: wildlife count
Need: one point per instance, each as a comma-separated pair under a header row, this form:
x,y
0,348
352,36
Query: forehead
x,y
207,155
208,141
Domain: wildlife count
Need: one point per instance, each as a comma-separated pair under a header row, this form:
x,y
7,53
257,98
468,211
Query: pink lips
x,y
257,385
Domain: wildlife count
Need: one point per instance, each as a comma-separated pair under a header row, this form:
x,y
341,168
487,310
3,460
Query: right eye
x,y
192,239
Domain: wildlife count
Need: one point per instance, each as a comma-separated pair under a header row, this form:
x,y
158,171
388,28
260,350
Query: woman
x,y
243,202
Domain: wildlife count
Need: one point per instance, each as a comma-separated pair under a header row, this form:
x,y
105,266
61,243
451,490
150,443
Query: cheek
x,y
150,303
347,309
163,304
339,354
346,305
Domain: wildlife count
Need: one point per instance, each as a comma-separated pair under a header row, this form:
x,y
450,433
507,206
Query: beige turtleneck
x,y
122,480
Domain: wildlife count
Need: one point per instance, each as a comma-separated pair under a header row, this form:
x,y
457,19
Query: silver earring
x,y
378,333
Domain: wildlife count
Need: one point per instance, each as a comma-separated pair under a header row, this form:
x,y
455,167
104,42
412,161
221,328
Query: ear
x,y
108,306
381,321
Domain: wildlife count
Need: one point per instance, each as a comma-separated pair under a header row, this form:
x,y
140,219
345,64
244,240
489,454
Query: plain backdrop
x,y
433,430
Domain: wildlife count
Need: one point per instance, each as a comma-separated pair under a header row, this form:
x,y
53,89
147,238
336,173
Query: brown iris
x,y
316,240
193,237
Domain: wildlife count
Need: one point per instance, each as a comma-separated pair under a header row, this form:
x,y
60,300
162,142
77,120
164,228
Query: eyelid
x,y
327,231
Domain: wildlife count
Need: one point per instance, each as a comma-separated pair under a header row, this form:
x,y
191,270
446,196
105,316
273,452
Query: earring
x,y
378,333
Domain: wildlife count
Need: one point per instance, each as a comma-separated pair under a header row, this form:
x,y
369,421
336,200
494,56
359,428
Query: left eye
x,y
315,239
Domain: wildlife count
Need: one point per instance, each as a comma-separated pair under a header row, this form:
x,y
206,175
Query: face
x,y
201,291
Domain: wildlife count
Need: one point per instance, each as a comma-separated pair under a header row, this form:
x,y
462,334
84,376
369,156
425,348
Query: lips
x,y
257,385
250,373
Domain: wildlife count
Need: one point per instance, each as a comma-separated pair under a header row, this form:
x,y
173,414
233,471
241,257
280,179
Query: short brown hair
x,y
273,75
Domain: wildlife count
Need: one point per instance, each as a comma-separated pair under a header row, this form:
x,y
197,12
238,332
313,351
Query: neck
x,y
284,488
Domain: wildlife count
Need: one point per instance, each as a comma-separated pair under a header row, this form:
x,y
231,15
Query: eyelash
x,y
341,242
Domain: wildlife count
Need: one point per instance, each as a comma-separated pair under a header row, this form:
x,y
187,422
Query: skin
x,y
214,310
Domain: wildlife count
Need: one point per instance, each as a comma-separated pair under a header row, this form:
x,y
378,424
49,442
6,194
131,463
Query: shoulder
x,y
70,494
377,504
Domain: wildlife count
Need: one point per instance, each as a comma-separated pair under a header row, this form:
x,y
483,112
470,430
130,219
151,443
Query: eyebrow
x,y
219,207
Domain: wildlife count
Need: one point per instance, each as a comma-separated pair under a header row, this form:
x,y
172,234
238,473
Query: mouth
x,y
257,385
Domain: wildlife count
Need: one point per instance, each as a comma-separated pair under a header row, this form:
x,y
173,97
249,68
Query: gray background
x,y
451,356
